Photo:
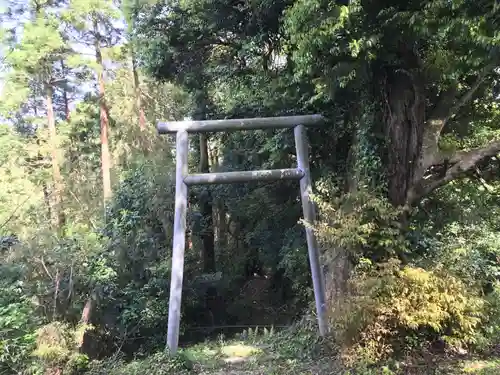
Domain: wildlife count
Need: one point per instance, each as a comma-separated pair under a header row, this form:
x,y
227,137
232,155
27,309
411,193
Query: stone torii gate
x,y
183,180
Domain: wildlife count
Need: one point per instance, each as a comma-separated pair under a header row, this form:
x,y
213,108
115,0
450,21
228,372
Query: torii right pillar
x,y
301,145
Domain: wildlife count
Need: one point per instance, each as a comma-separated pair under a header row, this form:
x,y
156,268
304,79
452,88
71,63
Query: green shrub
x,y
57,347
391,305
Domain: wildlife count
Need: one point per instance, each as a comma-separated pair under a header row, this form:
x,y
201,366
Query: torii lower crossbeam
x,y
183,180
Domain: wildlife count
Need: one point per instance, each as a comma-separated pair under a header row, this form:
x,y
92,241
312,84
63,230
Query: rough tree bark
x,y
84,341
404,111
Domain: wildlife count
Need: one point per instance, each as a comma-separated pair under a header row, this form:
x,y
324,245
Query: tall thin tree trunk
x,y
139,105
206,206
57,285
219,209
85,341
65,95
56,171
45,187
46,199
138,97
104,119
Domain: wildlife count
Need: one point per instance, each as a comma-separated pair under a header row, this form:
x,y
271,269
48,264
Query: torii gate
x,y
183,180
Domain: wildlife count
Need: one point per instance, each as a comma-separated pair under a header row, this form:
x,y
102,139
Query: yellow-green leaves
x,y
82,9
40,41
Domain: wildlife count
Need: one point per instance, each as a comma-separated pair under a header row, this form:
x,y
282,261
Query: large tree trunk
x,y
104,119
404,118
337,274
59,220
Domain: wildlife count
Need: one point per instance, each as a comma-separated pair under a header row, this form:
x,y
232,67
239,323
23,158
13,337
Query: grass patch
x,y
203,355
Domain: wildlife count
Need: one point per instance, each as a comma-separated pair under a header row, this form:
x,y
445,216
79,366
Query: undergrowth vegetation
x,y
422,302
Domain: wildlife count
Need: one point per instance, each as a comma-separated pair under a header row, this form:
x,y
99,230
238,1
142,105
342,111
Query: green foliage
x,y
391,304
361,221
463,236
491,326
301,342
159,363
20,192
57,347
138,232
295,267
18,321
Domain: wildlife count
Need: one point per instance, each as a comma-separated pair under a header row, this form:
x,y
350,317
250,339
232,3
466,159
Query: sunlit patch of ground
x,y
240,350
212,356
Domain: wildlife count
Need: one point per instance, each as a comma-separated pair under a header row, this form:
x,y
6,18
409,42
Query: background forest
x,y
406,172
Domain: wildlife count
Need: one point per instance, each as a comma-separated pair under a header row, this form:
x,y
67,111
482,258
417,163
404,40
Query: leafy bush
x,y
394,308
460,233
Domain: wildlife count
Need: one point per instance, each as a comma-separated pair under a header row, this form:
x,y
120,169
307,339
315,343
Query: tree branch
x,y
447,107
464,161
13,213
457,156
42,262
483,182
467,97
